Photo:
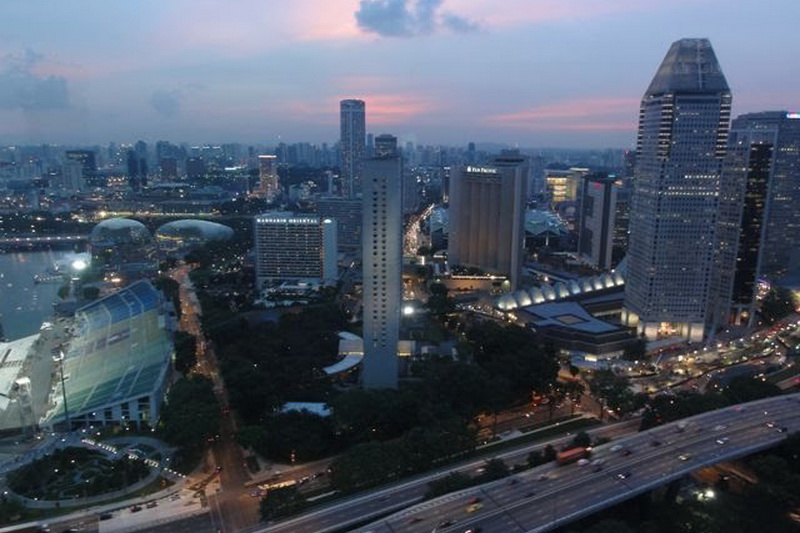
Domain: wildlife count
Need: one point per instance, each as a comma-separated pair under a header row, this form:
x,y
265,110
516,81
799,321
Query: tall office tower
x,y
597,219
71,178
294,247
268,186
168,167
347,214
683,131
487,216
536,182
382,262
759,223
86,158
352,144
195,168
622,219
370,150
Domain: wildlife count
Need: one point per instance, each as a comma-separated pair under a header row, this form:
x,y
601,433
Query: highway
x,y
353,510
549,496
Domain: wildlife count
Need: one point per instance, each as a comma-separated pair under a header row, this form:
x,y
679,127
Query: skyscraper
x,y
683,131
487,216
268,186
382,261
597,219
352,144
347,214
759,224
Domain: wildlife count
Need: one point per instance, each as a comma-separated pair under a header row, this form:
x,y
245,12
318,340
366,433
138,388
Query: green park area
x,y
75,473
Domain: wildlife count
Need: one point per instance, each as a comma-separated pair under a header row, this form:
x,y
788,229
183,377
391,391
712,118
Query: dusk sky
x,y
537,73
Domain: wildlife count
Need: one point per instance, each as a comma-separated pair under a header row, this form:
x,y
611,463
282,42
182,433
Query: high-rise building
x,y
352,145
268,185
168,167
71,178
86,158
382,261
759,222
597,219
487,216
622,218
683,131
195,168
294,247
347,214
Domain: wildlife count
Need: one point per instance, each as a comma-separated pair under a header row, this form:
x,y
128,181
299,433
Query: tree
x,y
281,502
191,413
778,303
449,483
296,436
549,453
536,458
613,391
90,293
636,350
171,290
581,439
439,303
185,351
494,469
746,389
573,391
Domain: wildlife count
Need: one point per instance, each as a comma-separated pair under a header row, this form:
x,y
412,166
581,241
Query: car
x,y
583,462
626,452
474,499
685,456
474,507
720,427
529,494
722,440
136,508
444,523
414,520
616,448
106,516
150,505
624,475
782,429
770,424
476,529
655,443
543,477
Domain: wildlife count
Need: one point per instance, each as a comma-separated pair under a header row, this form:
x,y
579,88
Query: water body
x,y
24,305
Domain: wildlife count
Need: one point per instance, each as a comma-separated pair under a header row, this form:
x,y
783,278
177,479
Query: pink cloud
x,y
518,12
584,114
382,108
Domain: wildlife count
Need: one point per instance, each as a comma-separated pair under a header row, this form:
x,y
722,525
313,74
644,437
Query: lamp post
x,y
60,359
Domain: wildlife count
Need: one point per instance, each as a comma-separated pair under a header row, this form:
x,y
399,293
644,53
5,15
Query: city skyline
x,y
429,70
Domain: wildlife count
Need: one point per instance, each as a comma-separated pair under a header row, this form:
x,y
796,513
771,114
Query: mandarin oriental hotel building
x,y
295,247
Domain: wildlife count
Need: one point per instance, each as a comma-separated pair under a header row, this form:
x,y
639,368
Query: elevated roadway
x,y
550,496
356,509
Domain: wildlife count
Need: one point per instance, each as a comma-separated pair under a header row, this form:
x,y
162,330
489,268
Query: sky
x,y
531,73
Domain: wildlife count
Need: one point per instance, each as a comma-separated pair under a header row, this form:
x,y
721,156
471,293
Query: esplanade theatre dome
x,y
120,231
193,231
